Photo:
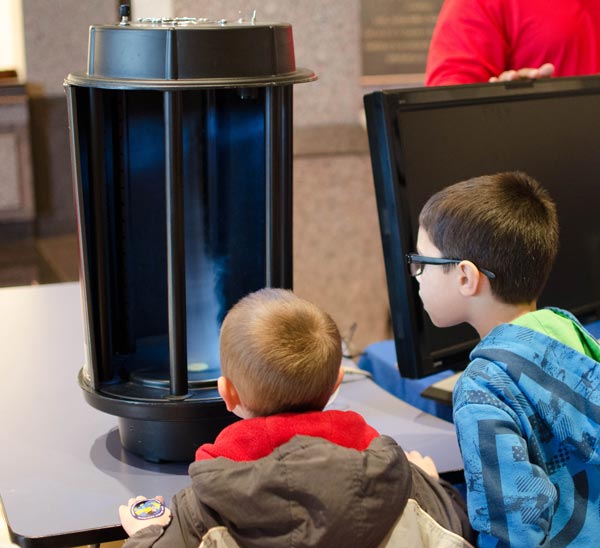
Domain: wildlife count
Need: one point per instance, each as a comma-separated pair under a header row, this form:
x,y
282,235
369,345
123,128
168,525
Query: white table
x,y
63,471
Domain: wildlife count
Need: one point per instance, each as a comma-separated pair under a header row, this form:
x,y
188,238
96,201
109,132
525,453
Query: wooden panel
x,y
16,181
10,195
395,37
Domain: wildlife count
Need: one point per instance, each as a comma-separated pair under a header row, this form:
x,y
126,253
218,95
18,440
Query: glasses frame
x,y
419,261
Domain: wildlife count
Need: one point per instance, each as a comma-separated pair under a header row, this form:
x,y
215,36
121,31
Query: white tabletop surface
x,y
62,467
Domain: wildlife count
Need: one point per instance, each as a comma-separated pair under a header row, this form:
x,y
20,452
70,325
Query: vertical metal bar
x,y
90,367
122,333
175,243
211,207
286,188
100,232
92,51
278,186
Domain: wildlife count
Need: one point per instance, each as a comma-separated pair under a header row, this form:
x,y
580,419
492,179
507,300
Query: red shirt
x,y
252,439
476,39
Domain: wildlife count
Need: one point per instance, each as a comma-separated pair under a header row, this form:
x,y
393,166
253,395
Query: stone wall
x,y
326,40
338,260
56,37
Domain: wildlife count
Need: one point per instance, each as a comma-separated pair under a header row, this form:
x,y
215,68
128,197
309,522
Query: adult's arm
x,y
469,43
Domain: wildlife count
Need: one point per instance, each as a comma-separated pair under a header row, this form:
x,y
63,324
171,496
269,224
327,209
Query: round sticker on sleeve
x,y
147,509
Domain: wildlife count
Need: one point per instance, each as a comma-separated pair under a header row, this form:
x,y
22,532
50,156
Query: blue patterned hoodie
x,y
527,415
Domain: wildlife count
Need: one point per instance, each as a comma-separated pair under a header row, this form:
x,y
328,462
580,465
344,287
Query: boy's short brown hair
x,y
506,223
282,353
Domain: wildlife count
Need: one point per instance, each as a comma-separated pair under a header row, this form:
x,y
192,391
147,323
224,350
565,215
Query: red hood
x,y
252,439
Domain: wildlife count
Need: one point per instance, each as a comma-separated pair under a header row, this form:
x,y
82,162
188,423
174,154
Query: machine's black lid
x,y
189,52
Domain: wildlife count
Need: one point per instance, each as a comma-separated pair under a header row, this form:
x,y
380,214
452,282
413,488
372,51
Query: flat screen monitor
x,y
423,139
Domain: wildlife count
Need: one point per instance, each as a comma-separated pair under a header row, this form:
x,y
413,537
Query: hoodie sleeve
x,y
148,536
510,499
186,528
437,498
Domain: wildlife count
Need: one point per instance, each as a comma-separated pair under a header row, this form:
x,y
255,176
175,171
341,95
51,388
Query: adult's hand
x,y
545,71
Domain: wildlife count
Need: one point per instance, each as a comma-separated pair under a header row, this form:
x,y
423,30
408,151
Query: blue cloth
x,y
527,414
379,359
594,329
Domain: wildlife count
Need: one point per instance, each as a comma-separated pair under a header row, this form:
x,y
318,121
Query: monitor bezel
x,y
382,109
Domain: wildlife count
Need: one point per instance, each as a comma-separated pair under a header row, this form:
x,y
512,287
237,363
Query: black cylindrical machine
x,y
181,146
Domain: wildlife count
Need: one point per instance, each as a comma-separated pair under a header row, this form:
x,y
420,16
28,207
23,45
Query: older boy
x,y
527,408
291,474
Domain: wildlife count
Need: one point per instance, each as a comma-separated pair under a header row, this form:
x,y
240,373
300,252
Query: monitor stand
x,y
441,391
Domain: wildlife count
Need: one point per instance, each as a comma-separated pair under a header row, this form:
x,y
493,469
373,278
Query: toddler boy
x,y
291,474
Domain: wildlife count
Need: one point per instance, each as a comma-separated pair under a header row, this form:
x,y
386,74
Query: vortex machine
x,y
181,150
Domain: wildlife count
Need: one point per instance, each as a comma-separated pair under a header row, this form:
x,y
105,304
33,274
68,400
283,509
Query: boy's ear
x,y
229,393
334,390
470,279
339,379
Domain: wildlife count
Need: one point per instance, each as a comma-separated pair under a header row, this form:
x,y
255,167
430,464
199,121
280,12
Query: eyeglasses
x,y
417,263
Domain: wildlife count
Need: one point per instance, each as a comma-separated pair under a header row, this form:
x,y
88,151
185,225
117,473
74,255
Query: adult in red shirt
x,y
491,40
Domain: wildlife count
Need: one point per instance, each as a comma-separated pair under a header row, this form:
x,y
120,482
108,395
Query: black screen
x,y
427,138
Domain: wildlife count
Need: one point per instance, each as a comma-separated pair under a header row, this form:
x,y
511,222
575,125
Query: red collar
x,y
252,439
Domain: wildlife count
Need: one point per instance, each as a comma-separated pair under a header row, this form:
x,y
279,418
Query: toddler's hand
x,y
132,525
424,463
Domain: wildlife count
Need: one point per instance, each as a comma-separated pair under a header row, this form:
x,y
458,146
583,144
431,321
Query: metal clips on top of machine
x,y
183,52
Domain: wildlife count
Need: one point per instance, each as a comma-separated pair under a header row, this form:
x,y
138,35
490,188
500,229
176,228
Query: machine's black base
x,y
157,427
170,441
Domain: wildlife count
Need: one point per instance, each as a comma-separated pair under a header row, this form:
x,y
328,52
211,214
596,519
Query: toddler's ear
x,y
339,379
229,393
